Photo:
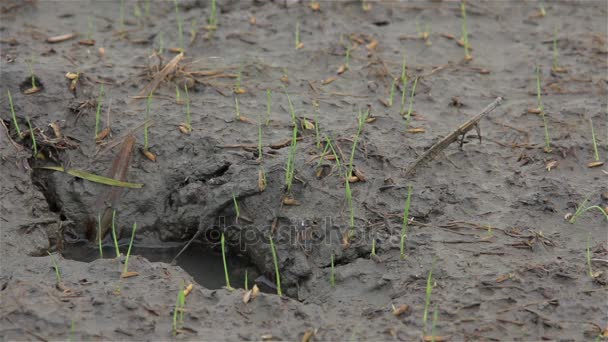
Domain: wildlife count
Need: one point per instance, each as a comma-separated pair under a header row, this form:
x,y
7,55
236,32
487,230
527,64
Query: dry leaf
x,y
342,69
397,311
329,80
188,289
261,180
102,134
308,334
503,277
559,70
88,42
595,164
429,338
448,36
32,90
370,119
535,111
175,50
56,130
129,274
416,130
151,156
357,172
60,38
290,201
371,46
240,90
366,6
246,120
551,165
468,58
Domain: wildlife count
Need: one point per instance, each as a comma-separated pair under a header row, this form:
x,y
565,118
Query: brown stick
x,y
460,131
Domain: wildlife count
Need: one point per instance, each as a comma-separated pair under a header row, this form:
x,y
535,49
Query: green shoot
x,y
315,112
246,281
299,43
465,33
56,267
404,70
555,65
325,150
429,290
392,92
213,17
161,44
30,61
178,95
332,276
547,148
349,200
239,78
10,102
406,218
409,110
424,34
180,29
361,120
122,16
223,242
334,153
290,171
489,231
581,209
268,104
147,8
33,136
596,154
114,233
373,247
434,324
72,329
98,111
589,269
193,30
178,311
148,102
291,109
260,150
276,267
124,270
236,207
347,57
137,12
99,235
236,107
542,9
188,122
89,28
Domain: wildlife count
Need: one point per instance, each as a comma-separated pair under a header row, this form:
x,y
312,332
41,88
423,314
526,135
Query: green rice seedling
x,y
360,122
291,109
193,30
137,12
236,207
403,83
33,136
56,267
325,151
180,29
291,159
331,146
239,78
276,266
89,28
406,218
268,105
260,150
332,276
425,33
10,102
161,45
541,108
555,64
299,43
349,201
347,57
114,233
411,105
434,324
465,33
122,16
596,154
223,243
589,269
429,290
542,12
72,329
582,208
178,95
391,97
148,103
147,8
373,253
246,281
236,108
213,16
315,112
30,63
188,118
98,111
126,267
178,311
99,235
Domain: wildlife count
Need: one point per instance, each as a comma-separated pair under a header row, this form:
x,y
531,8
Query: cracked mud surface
x,y
526,278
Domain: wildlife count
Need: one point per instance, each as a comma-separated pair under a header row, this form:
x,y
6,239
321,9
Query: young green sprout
x,y
161,45
126,267
268,105
10,102
403,84
148,103
30,62
236,108
239,78
541,108
180,29
291,109
315,112
373,253
260,149
349,201
290,170
409,110
406,214
465,33
582,208
114,233
223,243
424,34
56,267
33,136
193,31
89,28
429,290
596,154
178,311
276,266
213,17
434,324
555,66
589,269
299,43
391,97
349,175
188,117
236,207
246,281
542,11
332,275
98,111
147,8
122,16
99,236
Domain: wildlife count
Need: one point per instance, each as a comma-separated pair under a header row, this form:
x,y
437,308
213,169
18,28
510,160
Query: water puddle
x,y
201,262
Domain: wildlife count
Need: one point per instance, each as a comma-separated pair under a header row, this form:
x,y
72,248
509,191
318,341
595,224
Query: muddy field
x,y
490,218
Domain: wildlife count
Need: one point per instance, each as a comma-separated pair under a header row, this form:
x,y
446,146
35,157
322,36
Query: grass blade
x,y
94,178
276,267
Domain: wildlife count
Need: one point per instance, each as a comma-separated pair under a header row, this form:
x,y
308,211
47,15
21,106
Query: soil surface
x,y
490,219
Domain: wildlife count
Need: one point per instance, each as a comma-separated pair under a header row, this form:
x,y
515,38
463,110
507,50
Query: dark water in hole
x,y
201,262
